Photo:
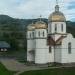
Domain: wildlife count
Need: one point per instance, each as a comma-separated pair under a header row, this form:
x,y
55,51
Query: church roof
x,y
31,27
40,25
57,15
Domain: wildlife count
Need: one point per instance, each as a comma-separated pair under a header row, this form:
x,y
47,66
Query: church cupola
x,y
57,21
57,16
40,29
41,42
30,31
56,25
40,25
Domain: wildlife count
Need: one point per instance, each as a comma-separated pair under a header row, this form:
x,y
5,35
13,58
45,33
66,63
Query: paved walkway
x,y
14,65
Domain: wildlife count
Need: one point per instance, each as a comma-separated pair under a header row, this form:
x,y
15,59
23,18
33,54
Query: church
x,y
50,43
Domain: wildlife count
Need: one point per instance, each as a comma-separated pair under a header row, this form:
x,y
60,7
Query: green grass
x,y
62,71
4,71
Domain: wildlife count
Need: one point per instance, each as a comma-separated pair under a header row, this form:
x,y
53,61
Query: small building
x,y
4,46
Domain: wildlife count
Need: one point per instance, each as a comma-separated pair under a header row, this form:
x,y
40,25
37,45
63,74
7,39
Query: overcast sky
x,y
27,8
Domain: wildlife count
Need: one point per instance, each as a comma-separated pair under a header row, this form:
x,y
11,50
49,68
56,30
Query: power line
x,y
48,48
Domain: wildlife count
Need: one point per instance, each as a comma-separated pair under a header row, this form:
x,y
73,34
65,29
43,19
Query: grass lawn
x,y
62,71
4,71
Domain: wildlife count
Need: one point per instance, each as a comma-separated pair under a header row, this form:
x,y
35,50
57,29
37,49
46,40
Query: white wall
x,y
41,51
57,54
51,55
42,55
66,57
30,47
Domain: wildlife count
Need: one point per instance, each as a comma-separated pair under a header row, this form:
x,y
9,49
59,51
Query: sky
x,y
28,9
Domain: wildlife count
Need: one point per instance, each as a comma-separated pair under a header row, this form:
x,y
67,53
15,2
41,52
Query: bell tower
x,y
56,26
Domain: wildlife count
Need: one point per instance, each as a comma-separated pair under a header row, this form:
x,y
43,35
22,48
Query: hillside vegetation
x,y
14,30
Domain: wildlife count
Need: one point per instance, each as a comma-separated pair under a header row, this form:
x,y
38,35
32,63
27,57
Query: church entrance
x,y
32,55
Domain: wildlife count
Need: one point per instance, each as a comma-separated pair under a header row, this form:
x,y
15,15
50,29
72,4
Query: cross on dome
x,y
57,6
40,17
56,2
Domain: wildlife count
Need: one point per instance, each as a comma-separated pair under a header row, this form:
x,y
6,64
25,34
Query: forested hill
x,y
13,30
6,21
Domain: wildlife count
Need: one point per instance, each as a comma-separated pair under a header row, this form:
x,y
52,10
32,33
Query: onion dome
x,y
57,16
40,25
31,27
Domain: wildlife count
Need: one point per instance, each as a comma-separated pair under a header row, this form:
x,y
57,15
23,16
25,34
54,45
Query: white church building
x,y
50,43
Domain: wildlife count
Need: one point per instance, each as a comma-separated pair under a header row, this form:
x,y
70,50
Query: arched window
x,y
26,35
55,27
50,27
69,48
50,50
47,30
39,33
43,34
30,35
33,34
62,27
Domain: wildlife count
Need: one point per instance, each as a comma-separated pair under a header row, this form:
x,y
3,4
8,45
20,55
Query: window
x,y
39,33
33,34
47,30
30,35
26,35
69,47
55,27
43,34
62,27
50,27
50,49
